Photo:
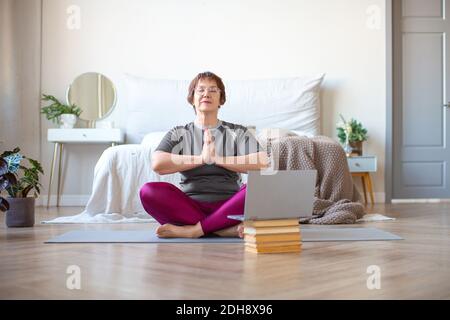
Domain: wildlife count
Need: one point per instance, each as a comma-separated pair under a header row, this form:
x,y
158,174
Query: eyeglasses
x,y
202,90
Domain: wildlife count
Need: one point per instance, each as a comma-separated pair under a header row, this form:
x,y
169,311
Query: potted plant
x,y
18,206
352,134
65,115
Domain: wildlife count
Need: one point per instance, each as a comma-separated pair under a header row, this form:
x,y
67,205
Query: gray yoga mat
x,y
148,236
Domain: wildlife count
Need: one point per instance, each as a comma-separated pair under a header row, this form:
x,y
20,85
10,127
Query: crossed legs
x,y
181,216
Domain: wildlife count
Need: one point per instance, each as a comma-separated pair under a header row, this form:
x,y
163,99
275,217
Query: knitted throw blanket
x,y
336,198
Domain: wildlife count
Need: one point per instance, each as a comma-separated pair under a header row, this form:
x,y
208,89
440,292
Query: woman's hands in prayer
x,y
209,148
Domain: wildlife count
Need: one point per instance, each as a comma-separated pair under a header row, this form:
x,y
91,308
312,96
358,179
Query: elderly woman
x,y
210,154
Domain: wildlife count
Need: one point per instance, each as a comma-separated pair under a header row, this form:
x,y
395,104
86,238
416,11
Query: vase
x,y
67,121
357,149
20,213
348,149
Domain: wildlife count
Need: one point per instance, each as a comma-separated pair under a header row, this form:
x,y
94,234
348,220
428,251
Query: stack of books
x,y
272,236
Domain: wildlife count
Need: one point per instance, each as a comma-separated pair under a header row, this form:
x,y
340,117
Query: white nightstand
x,y
361,167
81,135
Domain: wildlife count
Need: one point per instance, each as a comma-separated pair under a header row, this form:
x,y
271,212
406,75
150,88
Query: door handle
x,y
447,105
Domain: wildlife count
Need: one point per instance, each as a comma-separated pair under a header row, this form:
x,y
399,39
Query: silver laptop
x,y
285,194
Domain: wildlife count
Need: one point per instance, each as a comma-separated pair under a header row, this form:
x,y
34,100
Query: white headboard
x,y
290,103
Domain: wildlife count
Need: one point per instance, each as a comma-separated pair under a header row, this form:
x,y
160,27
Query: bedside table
x,y
82,135
362,167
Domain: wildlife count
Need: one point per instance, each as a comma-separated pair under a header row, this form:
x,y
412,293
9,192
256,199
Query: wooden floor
x,y
417,267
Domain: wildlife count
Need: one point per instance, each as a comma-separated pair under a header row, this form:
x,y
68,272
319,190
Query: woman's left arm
x,y
242,164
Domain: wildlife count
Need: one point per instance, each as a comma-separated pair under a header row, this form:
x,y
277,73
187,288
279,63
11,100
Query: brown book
x,y
271,223
263,245
272,237
271,230
285,249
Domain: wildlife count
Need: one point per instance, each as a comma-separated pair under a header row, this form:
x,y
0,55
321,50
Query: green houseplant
x,y
65,115
351,134
18,181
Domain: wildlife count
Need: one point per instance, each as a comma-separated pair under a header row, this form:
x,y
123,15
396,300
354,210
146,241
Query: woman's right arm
x,y
166,163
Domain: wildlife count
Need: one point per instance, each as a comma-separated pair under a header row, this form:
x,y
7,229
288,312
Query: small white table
x,y
78,135
361,167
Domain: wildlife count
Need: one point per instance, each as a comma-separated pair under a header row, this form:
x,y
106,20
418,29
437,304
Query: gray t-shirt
x,y
210,182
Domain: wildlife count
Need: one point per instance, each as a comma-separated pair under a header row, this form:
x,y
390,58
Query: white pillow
x,y
303,133
289,103
153,139
274,133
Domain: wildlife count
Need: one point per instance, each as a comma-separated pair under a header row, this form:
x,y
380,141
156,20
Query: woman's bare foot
x,y
240,230
171,231
231,232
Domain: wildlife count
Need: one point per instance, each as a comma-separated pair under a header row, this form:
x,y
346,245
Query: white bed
x,y
155,106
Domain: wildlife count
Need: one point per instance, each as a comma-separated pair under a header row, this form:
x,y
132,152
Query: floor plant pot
x,y
20,213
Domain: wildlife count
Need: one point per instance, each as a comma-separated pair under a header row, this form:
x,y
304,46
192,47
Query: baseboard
x,y
65,200
420,200
378,197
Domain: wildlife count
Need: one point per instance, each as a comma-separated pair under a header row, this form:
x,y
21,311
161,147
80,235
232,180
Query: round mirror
x,y
94,94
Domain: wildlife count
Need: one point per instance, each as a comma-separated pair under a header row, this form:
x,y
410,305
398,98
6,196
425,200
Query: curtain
x,y
20,73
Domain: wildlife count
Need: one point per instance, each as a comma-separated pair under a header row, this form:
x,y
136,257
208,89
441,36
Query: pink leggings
x,y
168,204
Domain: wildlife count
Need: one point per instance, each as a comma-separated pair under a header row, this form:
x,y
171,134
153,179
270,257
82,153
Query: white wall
x,y
20,59
237,39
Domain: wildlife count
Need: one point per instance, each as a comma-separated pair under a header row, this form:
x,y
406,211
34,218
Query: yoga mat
x,y
148,236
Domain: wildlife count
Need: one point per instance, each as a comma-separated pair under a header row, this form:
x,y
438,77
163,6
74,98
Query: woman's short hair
x,y
210,76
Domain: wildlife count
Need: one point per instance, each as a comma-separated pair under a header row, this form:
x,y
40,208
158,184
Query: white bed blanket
x,y
119,174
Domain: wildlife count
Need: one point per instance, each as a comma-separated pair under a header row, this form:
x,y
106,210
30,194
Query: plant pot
x,y
357,148
67,121
20,213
